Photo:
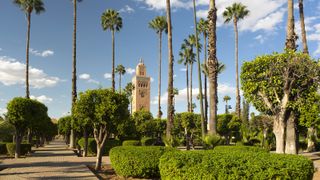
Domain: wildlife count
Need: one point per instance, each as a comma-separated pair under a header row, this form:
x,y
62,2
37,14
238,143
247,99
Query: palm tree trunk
x,y
303,28
205,81
27,55
113,61
291,36
191,76
199,69
74,67
170,108
213,67
159,77
120,83
188,96
238,110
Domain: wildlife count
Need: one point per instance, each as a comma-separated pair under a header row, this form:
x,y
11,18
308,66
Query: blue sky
x,y
51,46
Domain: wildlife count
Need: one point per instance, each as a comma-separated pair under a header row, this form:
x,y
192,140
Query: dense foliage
x,y
25,148
233,163
133,161
92,145
131,143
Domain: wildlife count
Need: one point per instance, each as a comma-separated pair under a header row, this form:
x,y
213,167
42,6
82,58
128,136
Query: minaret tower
x,y
141,92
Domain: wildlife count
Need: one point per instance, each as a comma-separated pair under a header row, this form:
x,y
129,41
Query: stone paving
x,y
54,161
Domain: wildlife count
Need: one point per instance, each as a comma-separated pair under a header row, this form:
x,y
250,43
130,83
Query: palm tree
x,y
236,12
303,28
203,28
186,56
291,36
159,24
121,70
28,6
128,91
203,128
111,20
170,111
226,99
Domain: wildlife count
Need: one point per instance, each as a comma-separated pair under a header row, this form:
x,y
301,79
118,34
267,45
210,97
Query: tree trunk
x,y
205,82
120,83
29,136
188,96
100,140
27,55
187,139
311,139
170,108
159,77
85,150
18,144
74,67
238,100
113,60
279,127
291,143
213,67
265,133
303,28
291,36
191,74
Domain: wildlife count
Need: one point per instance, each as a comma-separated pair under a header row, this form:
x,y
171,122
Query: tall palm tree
x,y
111,20
303,28
213,66
203,28
226,99
291,36
203,125
236,12
128,91
159,24
186,57
121,70
29,6
170,108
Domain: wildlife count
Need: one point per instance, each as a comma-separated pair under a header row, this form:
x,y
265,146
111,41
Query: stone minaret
x,y
141,92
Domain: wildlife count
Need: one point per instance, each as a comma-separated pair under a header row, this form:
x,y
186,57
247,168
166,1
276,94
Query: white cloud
x,y
44,53
183,69
84,76
42,98
151,79
127,9
12,72
130,71
260,38
3,111
223,89
107,76
161,5
174,76
267,23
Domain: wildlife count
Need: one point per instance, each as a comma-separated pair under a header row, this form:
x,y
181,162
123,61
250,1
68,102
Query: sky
x,y
262,32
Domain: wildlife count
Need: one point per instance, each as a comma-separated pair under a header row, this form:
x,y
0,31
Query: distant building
x,y
141,92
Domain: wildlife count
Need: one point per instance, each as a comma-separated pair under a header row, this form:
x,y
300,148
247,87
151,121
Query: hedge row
x,y
24,148
234,163
137,161
239,149
92,145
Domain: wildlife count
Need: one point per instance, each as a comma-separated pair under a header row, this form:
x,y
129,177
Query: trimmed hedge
x,y
131,143
234,165
147,141
92,145
137,161
239,148
3,148
24,148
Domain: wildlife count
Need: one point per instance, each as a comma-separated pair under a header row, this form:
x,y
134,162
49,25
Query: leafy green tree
x,y
110,110
275,84
236,12
121,70
7,131
64,127
228,125
188,123
20,116
141,119
29,6
111,20
159,24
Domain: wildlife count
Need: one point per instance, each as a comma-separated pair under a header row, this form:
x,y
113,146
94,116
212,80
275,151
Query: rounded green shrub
x,y
3,148
92,145
131,143
240,148
234,165
24,148
147,141
137,161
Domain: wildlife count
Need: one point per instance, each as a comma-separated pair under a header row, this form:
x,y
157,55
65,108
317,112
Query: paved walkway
x,y
54,161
